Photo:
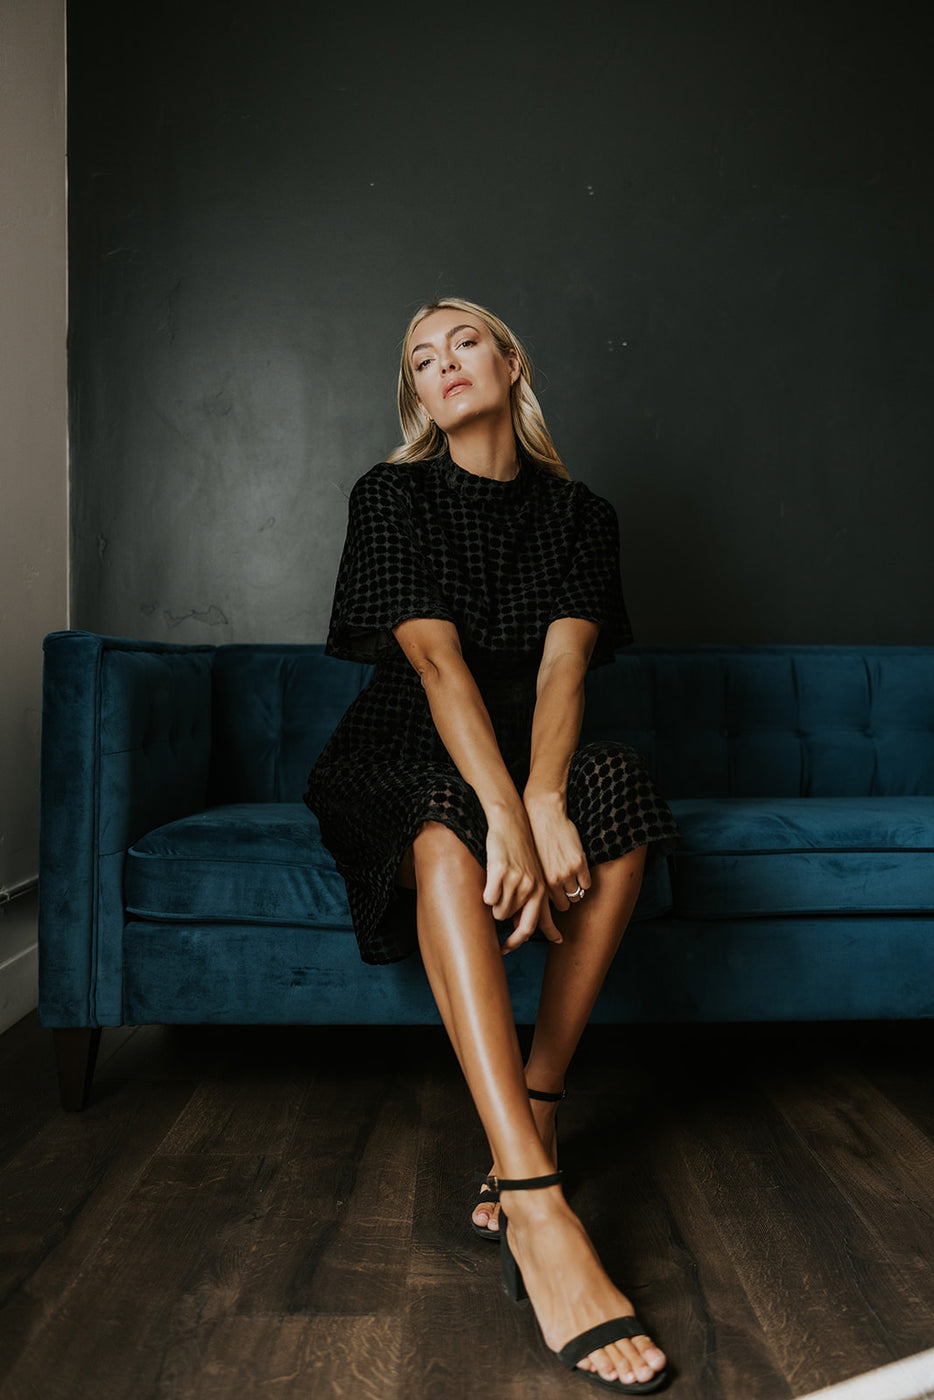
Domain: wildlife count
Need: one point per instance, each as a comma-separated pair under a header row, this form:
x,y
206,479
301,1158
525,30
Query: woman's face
x,y
459,371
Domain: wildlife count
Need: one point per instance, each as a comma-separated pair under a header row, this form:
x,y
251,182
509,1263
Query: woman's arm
x,y
559,712
515,886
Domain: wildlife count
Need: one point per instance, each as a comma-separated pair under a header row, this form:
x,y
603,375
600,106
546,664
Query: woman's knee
x,y
434,838
437,844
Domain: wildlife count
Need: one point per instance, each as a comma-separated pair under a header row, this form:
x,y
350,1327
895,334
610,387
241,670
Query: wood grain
x,y
249,1211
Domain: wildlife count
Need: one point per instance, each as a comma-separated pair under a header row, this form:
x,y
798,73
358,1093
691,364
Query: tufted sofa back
x,y
713,721
774,721
272,711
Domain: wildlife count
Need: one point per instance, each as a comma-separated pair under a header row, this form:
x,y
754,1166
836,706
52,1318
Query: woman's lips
x,y
456,384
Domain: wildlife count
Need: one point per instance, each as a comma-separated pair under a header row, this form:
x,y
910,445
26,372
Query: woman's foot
x,y
486,1213
569,1288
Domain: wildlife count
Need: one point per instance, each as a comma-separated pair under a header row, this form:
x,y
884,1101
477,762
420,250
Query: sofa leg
x,y
76,1055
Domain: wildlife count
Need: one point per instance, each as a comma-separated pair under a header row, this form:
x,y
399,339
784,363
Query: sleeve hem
x,y
371,641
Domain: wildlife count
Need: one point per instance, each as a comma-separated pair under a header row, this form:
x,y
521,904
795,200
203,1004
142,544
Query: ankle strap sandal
x,y
614,1329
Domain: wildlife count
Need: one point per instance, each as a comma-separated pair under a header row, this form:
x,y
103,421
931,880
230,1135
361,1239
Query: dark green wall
x,y
710,222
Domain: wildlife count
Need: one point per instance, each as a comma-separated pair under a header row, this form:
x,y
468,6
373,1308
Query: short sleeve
x,y
382,579
591,588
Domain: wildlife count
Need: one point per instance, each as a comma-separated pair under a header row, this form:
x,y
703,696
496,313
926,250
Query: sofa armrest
x,y
126,738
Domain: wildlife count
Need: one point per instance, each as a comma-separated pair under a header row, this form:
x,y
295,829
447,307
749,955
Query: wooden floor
x,y
283,1213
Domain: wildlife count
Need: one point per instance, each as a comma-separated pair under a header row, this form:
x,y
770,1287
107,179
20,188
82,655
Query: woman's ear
x,y
515,366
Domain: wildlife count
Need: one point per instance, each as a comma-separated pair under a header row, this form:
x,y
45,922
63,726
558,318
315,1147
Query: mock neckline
x,y
463,480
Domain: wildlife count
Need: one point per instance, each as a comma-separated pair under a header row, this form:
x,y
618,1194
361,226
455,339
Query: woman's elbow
x,y
427,670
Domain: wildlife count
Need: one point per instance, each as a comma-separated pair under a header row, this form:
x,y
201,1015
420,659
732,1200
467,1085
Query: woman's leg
x,y
574,973
567,1285
575,969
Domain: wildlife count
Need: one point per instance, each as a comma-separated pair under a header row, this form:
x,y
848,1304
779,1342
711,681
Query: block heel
x,y
512,1274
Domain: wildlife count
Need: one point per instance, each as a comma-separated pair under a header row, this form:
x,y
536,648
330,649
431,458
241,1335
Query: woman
x,y
484,583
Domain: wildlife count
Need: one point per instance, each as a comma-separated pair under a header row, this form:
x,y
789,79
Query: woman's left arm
x,y
556,727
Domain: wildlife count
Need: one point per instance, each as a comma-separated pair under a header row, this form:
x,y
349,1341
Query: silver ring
x,y
576,894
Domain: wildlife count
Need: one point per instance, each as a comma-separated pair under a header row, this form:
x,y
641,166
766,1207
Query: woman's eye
x,y
421,365
466,342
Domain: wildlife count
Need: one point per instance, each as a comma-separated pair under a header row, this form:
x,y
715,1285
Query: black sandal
x,y
488,1195
613,1330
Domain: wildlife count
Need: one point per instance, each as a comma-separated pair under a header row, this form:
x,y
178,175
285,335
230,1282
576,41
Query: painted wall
x,y
33,449
711,223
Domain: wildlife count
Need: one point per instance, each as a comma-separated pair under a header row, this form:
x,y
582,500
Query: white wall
x,y
33,448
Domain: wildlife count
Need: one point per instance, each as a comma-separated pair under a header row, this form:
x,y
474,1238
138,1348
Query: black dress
x,y
501,560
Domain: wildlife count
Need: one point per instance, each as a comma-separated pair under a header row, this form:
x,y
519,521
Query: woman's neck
x,y
486,449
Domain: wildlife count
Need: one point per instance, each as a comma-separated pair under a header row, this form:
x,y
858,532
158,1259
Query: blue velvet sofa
x,y
182,878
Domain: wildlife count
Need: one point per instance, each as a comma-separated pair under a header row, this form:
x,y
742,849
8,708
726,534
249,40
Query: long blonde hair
x,y
423,437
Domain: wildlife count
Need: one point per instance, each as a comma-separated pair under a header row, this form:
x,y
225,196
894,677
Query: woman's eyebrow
x,y
453,331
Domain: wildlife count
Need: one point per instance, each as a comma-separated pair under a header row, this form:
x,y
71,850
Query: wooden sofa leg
x,y
76,1055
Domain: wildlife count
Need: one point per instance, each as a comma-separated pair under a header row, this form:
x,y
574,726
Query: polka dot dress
x,y
501,560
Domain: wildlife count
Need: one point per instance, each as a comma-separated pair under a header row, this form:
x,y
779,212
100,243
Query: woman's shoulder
x,y
388,481
574,495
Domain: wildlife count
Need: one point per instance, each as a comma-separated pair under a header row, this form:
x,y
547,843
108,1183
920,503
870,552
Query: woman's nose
x,y
448,361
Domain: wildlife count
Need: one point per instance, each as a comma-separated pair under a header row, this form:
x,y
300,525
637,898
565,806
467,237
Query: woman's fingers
x,y
493,889
524,928
514,898
507,891
536,914
502,885
515,887
562,887
548,926
558,895
562,856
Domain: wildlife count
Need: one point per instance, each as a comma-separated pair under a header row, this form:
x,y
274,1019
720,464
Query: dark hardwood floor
x,y
283,1212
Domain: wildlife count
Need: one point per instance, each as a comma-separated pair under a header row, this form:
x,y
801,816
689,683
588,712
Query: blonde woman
x,y
456,798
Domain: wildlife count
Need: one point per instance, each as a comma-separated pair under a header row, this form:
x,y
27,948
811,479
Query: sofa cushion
x,y
261,863
748,857
247,863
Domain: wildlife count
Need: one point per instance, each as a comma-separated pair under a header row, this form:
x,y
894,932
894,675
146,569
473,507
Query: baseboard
x,y
19,978
19,959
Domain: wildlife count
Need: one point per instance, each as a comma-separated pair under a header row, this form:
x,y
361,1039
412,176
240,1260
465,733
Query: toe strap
x,y
600,1336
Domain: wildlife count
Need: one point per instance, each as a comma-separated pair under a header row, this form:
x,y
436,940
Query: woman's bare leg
x,y
569,1289
575,969
574,973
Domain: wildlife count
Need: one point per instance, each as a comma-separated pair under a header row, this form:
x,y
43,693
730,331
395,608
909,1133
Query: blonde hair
x,y
423,437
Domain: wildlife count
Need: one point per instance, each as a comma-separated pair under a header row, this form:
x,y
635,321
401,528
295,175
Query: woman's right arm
x,y
515,886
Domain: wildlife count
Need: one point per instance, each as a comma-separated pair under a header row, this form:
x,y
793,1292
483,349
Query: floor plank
x,y
170,1259
790,1243
721,1348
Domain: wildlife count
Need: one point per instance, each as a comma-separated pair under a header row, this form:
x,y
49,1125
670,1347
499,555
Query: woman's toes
x,y
486,1217
603,1363
650,1354
632,1364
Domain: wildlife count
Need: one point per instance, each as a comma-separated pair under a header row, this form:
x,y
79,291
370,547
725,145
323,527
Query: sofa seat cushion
x,y
247,863
262,863
749,857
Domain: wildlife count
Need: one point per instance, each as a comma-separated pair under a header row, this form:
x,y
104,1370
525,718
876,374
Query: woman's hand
x,y
515,884
559,848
